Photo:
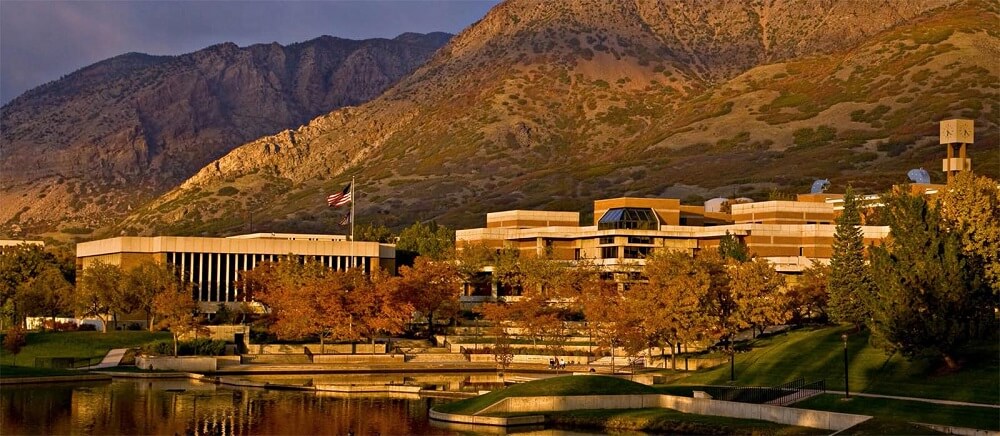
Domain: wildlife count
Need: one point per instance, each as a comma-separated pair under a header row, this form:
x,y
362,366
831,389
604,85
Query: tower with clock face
x,y
956,132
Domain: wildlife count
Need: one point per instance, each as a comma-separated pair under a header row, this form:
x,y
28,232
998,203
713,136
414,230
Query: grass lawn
x,y
818,353
9,371
672,422
910,411
880,426
566,386
77,344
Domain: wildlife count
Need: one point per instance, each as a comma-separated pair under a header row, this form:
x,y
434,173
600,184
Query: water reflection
x,y
188,407
185,407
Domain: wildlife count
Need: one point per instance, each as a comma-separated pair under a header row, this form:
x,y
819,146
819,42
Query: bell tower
x,y
956,132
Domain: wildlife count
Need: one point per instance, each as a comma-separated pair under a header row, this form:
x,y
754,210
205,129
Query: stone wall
x,y
315,348
185,363
764,412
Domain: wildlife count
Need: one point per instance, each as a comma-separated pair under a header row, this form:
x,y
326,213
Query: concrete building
x,y
213,265
789,234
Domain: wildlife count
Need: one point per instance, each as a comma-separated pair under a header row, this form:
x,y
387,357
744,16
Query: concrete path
x,y
112,359
923,400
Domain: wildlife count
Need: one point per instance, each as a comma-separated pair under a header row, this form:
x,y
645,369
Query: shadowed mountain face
x,y
551,105
90,146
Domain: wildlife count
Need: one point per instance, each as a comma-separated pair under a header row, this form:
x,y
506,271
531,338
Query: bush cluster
x,y
194,347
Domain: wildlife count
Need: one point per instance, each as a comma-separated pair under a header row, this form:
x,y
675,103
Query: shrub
x,y
15,339
228,191
194,347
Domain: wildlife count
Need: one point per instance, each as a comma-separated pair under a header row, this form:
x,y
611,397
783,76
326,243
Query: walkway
x,y
112,359
923,400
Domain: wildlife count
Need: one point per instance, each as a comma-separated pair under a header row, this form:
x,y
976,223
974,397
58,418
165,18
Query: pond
x,y
132,406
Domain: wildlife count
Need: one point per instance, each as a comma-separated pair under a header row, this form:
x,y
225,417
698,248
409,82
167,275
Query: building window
x,y
640,240
637,252
605,240
609,252
629,218
576,254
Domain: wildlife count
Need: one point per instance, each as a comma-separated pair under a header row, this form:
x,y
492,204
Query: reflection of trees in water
x,y
144,407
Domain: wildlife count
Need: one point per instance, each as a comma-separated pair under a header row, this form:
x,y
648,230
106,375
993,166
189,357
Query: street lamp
x,y
847,389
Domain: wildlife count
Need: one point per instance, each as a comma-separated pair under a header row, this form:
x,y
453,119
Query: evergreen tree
x,y
849,281
929,297
730,247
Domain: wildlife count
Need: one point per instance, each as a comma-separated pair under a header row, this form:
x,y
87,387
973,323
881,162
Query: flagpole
x,y
354,199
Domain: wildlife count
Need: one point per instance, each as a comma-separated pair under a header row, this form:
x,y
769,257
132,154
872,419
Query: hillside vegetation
x,y
551,107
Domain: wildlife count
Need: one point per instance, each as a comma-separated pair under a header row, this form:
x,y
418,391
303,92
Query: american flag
x,y
341,198
346,220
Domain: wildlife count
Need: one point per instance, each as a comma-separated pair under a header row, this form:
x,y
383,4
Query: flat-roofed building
x,y
789,234
213,265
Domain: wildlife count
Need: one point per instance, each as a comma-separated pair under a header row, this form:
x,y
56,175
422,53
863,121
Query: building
x,y
213,265
789,234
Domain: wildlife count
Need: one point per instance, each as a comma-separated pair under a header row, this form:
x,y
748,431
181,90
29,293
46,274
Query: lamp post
x,y
847,389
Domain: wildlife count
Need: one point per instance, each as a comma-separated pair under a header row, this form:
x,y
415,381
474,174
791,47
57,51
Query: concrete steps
x,y
437,358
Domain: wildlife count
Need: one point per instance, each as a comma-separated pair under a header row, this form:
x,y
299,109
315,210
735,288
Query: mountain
x,y
81,151
551,105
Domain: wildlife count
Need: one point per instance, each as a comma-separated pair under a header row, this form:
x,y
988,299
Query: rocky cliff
x,y
88,147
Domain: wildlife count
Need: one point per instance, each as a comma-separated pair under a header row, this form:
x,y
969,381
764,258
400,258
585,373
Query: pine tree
x,y
929,297
849,281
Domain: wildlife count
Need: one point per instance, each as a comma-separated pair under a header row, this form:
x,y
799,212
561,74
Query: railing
x,y
787,392
66,362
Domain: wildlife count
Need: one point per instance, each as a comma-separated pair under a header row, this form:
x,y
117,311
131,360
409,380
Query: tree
x,y
99,287
497,314
669,305
971,207
304,299
47,294
144,282
378,305
606,317
177,311
807,298
929,295
19,265
731,247
428,240
849,280
374,233
432,288
759,294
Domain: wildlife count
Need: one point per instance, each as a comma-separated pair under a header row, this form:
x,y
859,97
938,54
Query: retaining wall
x,y
764,412
186,363
486,420
358,358
315,348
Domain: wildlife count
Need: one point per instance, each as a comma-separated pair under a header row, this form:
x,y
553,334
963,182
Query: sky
x,y
43,40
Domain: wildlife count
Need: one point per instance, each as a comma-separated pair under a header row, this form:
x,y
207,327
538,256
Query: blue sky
x,y
43,40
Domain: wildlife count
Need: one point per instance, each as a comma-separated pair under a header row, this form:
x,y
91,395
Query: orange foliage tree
x,y
432,288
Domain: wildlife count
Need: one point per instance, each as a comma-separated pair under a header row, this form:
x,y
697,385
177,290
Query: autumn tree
x,y
374,233
377,304
929,295
144,282
759,294
603,308
305,299
970,207
670,303
176,310
432,288
808,296
96,295
497,314
849,280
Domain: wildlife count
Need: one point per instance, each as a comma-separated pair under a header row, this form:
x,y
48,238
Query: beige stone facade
x,y
213,265
789,234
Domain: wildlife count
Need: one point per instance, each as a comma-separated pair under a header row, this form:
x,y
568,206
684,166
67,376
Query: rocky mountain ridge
x,y
91,145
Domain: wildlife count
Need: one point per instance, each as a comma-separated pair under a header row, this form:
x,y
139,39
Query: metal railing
x,y
66,362
787,392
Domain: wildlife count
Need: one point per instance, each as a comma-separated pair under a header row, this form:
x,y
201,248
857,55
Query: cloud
x,y
43,40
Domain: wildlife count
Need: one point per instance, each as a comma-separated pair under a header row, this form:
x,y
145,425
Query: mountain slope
x,y
544,105
112,135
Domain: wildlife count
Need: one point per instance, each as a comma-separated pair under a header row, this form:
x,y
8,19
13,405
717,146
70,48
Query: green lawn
x,y
882,426
566,386
77,344
909,411
817,353
672,422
